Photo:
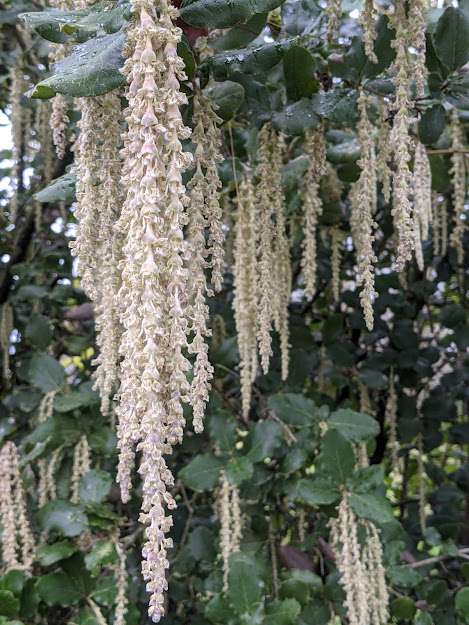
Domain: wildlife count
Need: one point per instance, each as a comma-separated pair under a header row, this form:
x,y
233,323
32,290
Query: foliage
x,y
300,446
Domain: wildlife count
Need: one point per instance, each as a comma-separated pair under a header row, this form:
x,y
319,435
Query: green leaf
x,y
59,190
239,469
373,379
9,604
39,332
64,517
224,13
404,576
13,581
282,612
95,486
300,585
245,587
92,69
45,372
227,96
346,152
222,427
218,610
372,507
461,603
294,409
451,38
57,589
241,36
264,440
76,399
201,544
432,124
336,459
403,607
354,426
102,554
298,69
50,554
297,118
257,59
202,473
338,105
313,492
62,26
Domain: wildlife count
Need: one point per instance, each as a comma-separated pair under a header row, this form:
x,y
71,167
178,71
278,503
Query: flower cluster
x,y
205,222
81,466
337,237
17,88
154,292
363,196
361,567
422,201
458,179
46,468
6,327
315,149
367,21
16,538
229,515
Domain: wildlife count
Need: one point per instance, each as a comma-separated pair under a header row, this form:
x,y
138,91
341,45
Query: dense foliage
x,y
377,412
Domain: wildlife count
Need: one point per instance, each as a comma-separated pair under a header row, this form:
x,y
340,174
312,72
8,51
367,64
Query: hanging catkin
x,y
422,201
384,149
281,252
122,583
458,180
154,289
315,149
336,256
109,247
266,277
17,88
333,14
401,141
416,33
245,284
16,537
390,418
81,466
367,21
6,328
46,486
205,214
363,198
361,567
229,516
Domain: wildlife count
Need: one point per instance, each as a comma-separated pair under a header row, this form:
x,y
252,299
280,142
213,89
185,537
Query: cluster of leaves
x,y
298,449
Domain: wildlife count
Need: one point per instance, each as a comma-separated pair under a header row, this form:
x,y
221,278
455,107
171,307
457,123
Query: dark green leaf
x,y
95,486
264,440
59,190
224,13
432,124
296,118
202,473
50,554
403,608
64,517
298,68
282,612
13,581
45,373
461,603
336,460
241,35
39,332
92,69
373,379
9,604
451,38
244,583
372,507
314,492
57,589
354,426
293,409
227,96
102,554
238,470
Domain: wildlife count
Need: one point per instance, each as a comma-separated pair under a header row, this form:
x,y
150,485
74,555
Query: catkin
x,y
6,327
16,538
363,198
81,466
17,88
315,149
229,515
154,290
367,21
336,256
401,141
245,284
458,180
361,567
